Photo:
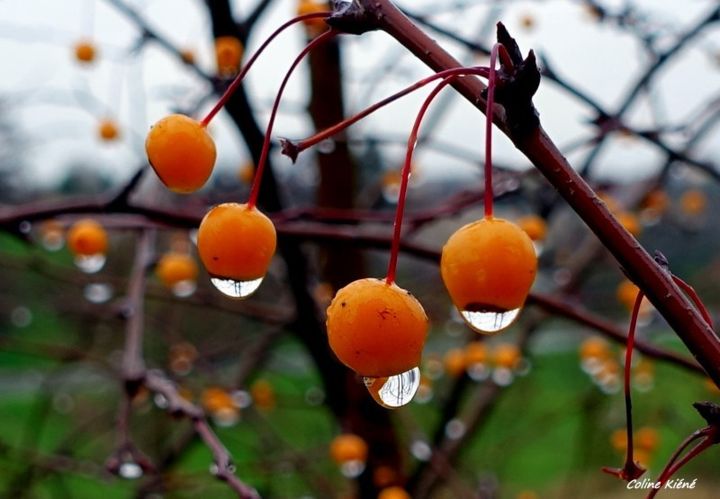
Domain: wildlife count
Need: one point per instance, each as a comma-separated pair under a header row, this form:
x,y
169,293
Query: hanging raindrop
x,y
489,321
236,289
130,470
352,468
98,292
183,289
90,263
394,391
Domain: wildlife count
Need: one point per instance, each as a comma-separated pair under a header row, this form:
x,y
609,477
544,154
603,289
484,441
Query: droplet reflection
x,y
394,391
488,322
236,289
90,263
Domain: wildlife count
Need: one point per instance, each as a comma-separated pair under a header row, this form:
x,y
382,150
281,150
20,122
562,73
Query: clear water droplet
x,y
390,192
394,391
503,376
421,450
539,246
643,382
488,322
591,365
226,417
236,289
314,396
192,234
130,470
90,263
478,372
98,292
53,240
455,429
183,289
21,317
25,227
241,399
424,394
214,469
161,401
352,469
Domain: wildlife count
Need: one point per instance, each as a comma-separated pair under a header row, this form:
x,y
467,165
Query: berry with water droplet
x,y
228,54
236,244
87,237
488,268
177,271
348,447
376,329
85,51
181,152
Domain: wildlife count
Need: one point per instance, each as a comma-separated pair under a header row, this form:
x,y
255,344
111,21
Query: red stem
x,y
246,67
339,127
412,141
488,132
629,461
255,190
690,291
671,469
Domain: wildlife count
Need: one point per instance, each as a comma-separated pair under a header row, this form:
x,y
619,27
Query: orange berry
x,y
630,222
534,226
85,51
454,362
317,25
236,242
263,394
612,204
228,53
87,237
594,348
216,399
527,21
506,355
647,438
246,173
348,447
108,130
376,329
393,493
488,267
656,200
181,152
627,293
693,202
618,439
475,353
173,268
384,476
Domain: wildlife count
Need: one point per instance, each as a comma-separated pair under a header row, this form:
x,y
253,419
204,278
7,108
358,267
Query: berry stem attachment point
x,y
488,131
255,189
407,167
230,90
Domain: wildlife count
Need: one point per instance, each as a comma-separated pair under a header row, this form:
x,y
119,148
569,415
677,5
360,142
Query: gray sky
x,y
57,103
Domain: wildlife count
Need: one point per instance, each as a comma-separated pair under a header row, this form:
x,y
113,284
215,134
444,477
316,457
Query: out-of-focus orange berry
x,y
376,329
657,201
394,492
527,21
693,202
317,25
228,53
246,173
647,438
618,439
534,226
87,237
181,152
348,447
594,348
454,362
173,268
384,476
187,56
627,293
630,222
263,395
506,355
475,353
108,130
85,51
215,399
